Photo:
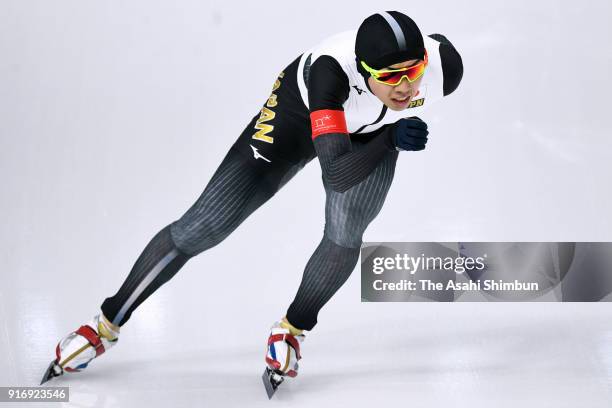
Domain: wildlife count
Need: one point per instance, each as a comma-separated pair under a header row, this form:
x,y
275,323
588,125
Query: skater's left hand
x,y
409,134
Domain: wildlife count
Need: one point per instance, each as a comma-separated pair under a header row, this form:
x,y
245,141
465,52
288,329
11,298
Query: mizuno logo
x,y
257,155
359,91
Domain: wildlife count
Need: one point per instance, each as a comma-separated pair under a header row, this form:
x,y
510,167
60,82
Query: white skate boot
x,y
282,354
75,351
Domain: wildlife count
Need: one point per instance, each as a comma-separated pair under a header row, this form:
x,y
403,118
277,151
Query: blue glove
x,y
409,134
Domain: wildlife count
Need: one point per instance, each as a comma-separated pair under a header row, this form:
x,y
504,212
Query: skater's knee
x,y
345,231
195,236
346,221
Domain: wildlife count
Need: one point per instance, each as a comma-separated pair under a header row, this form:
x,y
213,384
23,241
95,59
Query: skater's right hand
x,y
409,134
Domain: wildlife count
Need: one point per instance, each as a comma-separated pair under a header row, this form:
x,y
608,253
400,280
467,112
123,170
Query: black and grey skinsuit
x,y
357,173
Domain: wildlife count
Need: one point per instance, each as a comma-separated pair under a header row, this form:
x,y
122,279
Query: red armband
x,y
327,121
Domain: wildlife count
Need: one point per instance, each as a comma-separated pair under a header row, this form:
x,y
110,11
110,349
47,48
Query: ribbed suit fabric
x,y
236,190
347,215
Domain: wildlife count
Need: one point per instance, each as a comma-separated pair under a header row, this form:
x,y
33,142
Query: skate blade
x,y
271,381
54,370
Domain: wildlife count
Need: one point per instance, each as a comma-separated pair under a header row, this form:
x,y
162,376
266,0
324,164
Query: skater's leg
x,y
347,216
238,187
268,153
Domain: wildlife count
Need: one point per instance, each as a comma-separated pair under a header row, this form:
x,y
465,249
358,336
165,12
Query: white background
x,y
113,118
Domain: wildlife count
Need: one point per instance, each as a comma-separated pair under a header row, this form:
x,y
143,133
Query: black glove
x,y
409,134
